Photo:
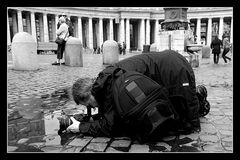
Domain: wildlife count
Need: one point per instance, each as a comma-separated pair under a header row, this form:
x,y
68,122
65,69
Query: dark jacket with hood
x,y
216,46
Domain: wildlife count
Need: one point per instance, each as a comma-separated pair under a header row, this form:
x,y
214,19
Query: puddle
x,y
35,120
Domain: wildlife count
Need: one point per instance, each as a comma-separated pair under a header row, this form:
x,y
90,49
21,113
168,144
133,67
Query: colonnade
x,y
38,24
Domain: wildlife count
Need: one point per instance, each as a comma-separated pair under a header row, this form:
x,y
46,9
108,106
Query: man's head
x,y
62,20
64,15
81,92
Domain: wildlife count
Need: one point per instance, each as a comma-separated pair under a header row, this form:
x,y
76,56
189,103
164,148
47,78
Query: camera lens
x,y
64,123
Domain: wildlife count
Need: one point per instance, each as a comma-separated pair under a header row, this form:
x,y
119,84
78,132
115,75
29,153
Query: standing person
x,y
216,45
62,33
120,48
70,27
95,48
226,48
124,48
101,50
64,16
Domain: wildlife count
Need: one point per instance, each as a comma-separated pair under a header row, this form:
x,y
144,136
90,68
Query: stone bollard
x,y
110,52
73,52
206,52
194,59
153,47
24,52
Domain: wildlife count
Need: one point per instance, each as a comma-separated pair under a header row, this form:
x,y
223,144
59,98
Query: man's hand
x,y
74,127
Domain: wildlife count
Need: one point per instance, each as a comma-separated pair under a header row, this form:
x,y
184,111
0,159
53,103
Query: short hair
x,y
64,14
81,89
62,19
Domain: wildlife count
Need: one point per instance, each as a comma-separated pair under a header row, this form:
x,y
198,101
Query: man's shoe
x,y
63,63
55,63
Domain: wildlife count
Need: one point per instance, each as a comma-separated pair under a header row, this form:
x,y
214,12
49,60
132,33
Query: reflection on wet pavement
x,y
35,121
33,125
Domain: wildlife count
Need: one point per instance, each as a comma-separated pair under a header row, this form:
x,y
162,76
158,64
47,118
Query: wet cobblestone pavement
x,y
36,99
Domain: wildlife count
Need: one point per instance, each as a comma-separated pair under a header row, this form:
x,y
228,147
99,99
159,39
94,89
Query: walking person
x,y
226,48
62,35
216,45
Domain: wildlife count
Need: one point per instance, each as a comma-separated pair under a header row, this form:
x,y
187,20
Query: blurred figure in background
x,y
226,48
216,45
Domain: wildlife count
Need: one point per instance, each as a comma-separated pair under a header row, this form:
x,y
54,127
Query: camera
x,y
64,122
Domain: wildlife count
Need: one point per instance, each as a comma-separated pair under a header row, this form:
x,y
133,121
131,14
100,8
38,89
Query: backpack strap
x,y
118,72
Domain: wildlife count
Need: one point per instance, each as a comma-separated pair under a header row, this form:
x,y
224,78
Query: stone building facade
x,y
135,26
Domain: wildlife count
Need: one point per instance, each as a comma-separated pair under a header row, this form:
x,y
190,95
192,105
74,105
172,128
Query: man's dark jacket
x,y
168,68
216,46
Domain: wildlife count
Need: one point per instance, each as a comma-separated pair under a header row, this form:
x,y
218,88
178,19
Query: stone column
x,y
80,29
127,34
111,28
231,32
156,31
122,32
142,34
90,33
45,28
53,28
28,23
33,26
20,24
198,30
41,31
148,32
220,28
209,32
100,31
15,28
56,22
8,32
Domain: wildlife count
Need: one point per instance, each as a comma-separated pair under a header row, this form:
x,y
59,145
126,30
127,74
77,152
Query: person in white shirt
x,y
62,32
226,48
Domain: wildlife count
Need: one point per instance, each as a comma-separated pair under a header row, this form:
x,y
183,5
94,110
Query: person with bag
x,y
126,107
216,45
226,48
176,79
124,48
62,35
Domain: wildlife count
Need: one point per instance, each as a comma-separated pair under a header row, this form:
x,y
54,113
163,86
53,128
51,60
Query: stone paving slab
x,y
80,142
100,140
96,147
138,148
113,150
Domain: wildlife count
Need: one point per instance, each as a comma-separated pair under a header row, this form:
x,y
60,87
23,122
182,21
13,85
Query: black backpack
x,y
141,103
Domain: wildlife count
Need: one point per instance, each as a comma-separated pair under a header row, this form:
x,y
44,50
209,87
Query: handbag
x,y
60,41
